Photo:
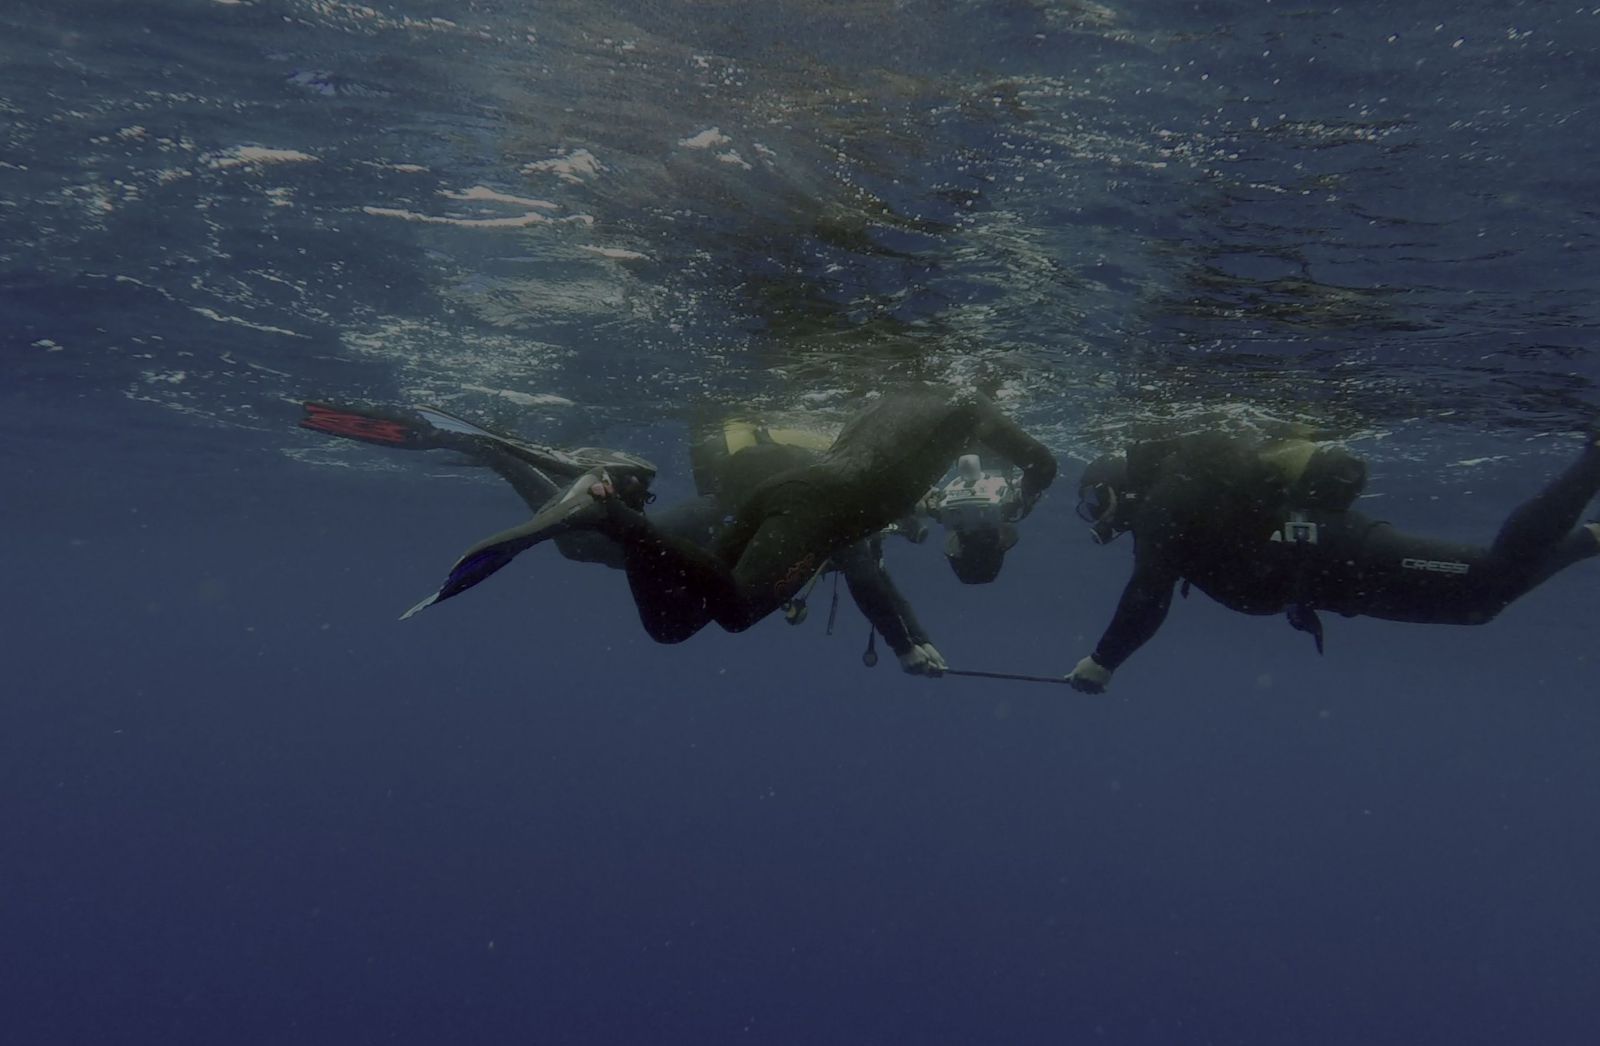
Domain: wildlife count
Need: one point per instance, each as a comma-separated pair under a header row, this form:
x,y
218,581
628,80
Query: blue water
x,y
240,803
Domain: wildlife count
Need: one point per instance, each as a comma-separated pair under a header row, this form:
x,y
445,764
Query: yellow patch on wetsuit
x,y
1288,459
739,435
742,435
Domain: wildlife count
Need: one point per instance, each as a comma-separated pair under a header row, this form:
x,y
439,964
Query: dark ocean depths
x,y
240,803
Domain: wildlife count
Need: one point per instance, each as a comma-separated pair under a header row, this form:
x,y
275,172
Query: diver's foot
x,y
618,490
623,488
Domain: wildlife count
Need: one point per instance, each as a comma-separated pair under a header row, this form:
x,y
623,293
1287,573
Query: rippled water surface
x,y
1359,216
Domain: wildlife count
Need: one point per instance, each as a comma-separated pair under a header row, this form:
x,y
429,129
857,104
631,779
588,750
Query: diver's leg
x,y
774,543
537,489
1369,568
1542,536
1578,545
777,563
696,521
674,582
1543,522
1400,577
800,520
532,485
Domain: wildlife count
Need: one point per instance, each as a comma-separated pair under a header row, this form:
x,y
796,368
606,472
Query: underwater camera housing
x,y
978,509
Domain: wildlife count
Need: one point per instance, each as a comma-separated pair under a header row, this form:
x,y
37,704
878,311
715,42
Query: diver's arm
x,y
1156,572
908,617
891,616
1157,566
1139,615
880,601
998,432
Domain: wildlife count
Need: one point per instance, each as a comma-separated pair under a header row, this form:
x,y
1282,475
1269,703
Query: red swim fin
x,y
384,428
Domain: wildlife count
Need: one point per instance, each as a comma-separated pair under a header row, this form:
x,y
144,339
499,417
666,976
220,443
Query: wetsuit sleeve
x,y
998,432
875,593
1148,595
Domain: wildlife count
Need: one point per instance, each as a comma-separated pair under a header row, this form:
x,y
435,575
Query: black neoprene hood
x,y
975,558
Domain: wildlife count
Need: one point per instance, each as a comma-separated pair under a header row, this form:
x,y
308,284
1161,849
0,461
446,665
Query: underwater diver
x,y
1269,529
725,466
788,525
979,508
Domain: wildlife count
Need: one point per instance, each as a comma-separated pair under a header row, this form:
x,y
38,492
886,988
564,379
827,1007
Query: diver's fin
x,y
425,604
549,458
562,464
429,428
1305,619
447,422
573,510
386,428
470,569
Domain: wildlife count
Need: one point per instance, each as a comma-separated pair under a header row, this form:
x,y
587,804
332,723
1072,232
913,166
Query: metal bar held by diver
x,y
1007,675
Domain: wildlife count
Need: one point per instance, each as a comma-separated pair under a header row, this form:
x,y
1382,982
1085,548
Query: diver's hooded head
x,y
1104,499
976,555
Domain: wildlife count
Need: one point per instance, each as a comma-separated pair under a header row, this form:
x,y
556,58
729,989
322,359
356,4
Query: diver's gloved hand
x,y
1090,677
909,526
1032,487
923,660
1029,491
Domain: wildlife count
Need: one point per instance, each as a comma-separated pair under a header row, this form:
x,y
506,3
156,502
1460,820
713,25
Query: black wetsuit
x,y
701,521
792,522
1209,512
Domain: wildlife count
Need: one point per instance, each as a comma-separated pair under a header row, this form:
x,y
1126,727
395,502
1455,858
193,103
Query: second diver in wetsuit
x,y
1270,530
731,459
788,524
728,463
